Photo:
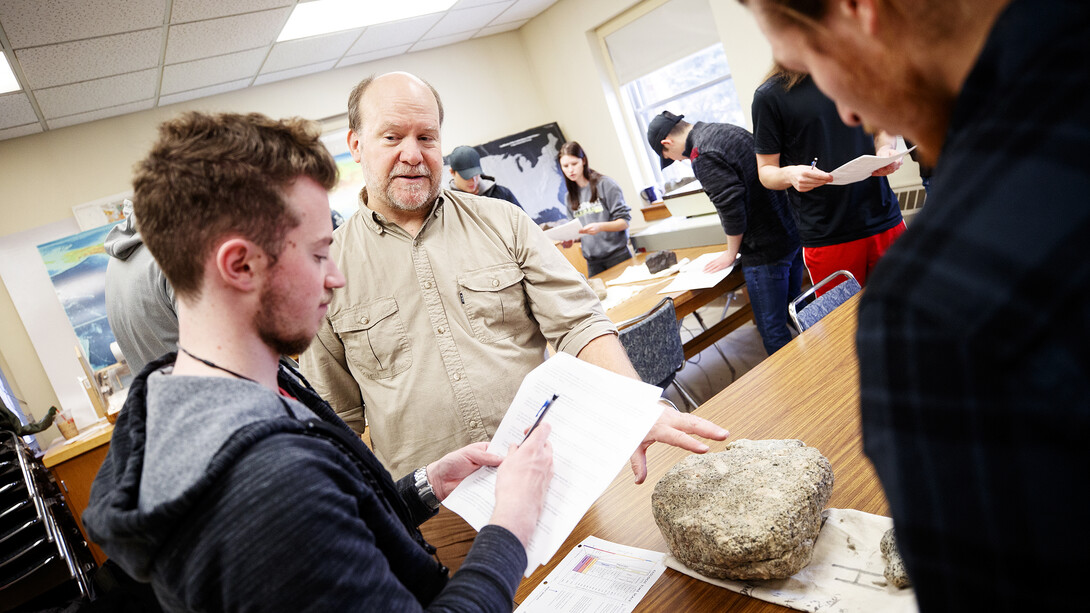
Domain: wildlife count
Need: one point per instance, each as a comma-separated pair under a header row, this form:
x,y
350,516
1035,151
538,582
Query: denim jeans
x,y
771,287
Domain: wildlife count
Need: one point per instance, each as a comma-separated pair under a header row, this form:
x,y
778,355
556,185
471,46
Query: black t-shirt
x,y
803,124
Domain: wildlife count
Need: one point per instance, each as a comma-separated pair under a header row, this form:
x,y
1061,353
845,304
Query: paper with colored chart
x,y
598,576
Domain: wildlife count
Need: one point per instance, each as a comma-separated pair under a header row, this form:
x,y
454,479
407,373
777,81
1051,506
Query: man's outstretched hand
x,y
674,428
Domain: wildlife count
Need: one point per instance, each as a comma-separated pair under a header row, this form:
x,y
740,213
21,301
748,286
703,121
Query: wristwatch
x,y
423,488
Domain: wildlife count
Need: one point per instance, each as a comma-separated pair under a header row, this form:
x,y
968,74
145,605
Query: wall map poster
x,y
526,164
77,269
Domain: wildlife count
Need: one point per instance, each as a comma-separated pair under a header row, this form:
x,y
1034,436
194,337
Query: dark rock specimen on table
x,y
752,511
660,260
895,567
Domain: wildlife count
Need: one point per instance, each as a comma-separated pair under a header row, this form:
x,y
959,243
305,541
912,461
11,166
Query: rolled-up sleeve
x,y
565,307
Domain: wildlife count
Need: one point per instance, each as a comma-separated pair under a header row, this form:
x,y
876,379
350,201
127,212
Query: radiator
x,y
911,199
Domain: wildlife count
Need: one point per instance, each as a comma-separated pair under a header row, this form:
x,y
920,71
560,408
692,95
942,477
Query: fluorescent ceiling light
x,y
8,82
325,16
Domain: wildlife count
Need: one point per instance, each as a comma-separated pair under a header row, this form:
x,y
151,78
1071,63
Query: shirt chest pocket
x,y
374,338
494,302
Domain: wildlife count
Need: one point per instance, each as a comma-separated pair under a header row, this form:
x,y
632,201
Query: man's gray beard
x,y
398,204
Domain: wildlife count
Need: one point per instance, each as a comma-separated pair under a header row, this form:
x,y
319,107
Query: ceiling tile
x,y
211,71
373,55
300,71
306,51
96,94
388,35
466,20
191,41
90,59
193,10
41,22
443,40
204,91
15,110
113,111
524,9
503,27
30,128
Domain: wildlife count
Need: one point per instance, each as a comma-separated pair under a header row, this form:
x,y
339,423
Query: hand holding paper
x,y
863,166
566,232
597,421
522,481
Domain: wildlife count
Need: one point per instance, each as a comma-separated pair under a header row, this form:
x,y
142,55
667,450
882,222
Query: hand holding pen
x,y
540,415
805,178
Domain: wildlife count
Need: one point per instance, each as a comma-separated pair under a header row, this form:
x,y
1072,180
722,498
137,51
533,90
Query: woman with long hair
x,y
597,202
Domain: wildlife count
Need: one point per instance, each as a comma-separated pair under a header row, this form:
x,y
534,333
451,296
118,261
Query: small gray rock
x,y
752,511
895,567
660,260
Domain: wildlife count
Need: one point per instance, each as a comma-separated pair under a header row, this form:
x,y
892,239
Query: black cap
x,y
658,130
465,161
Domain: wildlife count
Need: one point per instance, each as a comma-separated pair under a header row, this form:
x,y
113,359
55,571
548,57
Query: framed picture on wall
x,y
98,213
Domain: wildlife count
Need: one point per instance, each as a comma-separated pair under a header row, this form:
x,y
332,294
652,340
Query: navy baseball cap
x,y
658,130
465,161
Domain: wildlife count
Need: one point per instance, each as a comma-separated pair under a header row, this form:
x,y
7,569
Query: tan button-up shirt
x,y
434,334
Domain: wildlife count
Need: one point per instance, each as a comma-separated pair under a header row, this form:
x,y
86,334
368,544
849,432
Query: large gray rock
x,y
750,512
660,260
895,567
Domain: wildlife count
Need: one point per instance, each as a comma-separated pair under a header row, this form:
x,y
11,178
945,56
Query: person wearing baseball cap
x,y
466,176
759,227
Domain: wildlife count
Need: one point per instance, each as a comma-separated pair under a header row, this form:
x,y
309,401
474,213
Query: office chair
x,y
821,306
653,344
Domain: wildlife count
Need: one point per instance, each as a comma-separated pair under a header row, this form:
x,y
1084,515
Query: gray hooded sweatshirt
x,y
139,300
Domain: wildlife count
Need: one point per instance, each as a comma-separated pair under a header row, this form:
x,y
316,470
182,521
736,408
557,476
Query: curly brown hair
x,y
213,175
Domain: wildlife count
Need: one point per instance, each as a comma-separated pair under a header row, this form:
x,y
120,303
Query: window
x,y
668,55
698,86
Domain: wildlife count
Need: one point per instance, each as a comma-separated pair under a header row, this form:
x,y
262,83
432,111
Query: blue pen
x,y
814,163
540,415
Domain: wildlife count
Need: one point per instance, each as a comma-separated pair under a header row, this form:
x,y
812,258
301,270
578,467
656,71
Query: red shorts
x,y
857,257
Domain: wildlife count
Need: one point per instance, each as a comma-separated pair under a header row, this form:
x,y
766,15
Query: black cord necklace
x,y
214,365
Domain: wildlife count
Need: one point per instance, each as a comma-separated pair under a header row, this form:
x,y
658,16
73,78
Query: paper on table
x,y
597,422
692,275
619,293
861,167
597,575
566,232
844,576
640,273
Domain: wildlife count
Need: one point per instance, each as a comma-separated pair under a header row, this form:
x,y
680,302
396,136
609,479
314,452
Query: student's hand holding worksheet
x,y
598,419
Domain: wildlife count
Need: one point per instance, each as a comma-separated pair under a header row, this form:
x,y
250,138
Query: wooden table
x,y
686,302
807,390
74,465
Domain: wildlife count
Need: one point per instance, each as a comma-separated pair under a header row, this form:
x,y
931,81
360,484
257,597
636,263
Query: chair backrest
x,y
821,306
653,343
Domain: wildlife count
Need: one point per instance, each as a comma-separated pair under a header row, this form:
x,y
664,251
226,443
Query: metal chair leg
x,y
686,397
733,373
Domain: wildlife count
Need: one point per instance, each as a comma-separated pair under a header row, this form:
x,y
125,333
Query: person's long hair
x,y
788,78
574,149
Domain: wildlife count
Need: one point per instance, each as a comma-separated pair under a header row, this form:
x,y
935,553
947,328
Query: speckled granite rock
x,y
750,512
895,567
660,260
